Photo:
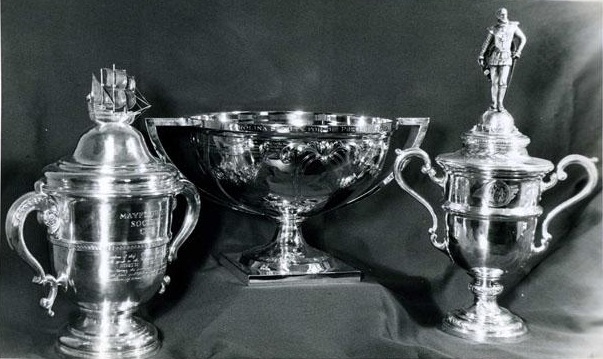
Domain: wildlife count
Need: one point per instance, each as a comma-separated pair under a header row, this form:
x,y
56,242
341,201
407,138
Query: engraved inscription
x,y
140,215
254,127
345,129
129,265
144,221
315,129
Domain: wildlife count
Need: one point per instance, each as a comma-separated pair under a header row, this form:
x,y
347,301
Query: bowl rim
x,y
282,122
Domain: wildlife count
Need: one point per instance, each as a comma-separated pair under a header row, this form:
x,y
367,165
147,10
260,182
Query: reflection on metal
x,y
108,210
286,165
492,192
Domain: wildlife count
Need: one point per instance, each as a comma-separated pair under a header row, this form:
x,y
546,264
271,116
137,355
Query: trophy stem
x,y
485,321
288,257
288,238
287,253
108,334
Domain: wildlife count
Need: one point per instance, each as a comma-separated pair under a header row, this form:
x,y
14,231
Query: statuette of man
x,y
498,55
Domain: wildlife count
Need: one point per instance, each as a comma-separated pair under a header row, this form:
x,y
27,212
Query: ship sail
x,y
115,97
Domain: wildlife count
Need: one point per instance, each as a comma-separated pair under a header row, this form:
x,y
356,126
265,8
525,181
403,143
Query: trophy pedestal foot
x,y
485,321
279,271
95,335
469,324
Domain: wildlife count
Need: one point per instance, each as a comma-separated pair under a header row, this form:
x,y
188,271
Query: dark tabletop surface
x,y
211,314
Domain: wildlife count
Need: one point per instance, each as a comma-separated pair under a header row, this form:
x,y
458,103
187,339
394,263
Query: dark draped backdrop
x,y
381,58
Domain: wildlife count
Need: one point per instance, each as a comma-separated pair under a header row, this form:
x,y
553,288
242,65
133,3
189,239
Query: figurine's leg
x,y
502,86
494,90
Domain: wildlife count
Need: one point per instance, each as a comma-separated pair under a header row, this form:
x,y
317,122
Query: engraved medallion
x,y
497,193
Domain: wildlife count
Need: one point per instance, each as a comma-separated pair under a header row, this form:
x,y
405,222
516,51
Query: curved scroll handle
x,y
402,160
561,175
193,207
15,219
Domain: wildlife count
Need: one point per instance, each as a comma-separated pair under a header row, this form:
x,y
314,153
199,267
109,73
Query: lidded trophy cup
x,y
492,191
108,211
287,165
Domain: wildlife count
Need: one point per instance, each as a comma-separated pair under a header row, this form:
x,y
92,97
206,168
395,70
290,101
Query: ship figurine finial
x,y
501,49
114,98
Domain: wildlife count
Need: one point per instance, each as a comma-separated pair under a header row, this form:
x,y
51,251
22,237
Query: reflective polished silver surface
x,y
108,211
492,192
286,165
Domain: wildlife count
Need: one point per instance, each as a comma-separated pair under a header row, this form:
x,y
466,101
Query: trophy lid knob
x,y
495,122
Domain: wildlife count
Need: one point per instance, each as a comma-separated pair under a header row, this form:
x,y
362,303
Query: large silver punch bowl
x,y
285,165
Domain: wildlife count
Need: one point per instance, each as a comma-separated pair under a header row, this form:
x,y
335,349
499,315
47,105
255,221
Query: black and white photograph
x,y
301,179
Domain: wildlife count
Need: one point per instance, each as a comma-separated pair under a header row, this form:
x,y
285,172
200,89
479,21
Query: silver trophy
x,y
492,192
108,211
285,165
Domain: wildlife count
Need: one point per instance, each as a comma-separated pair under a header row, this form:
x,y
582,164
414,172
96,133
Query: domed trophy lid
x,y
495,144
112,157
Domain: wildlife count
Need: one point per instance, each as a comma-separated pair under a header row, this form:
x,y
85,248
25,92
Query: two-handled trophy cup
x,y
108,211
288,166
492,191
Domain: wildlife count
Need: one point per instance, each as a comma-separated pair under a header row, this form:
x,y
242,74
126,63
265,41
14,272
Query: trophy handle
x,y
561,175
154,137
417,132
15,220
401,161
193,206
189,191
415,138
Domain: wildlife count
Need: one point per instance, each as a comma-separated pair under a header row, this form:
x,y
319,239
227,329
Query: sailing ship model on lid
x,y
492,189
108,211
115,97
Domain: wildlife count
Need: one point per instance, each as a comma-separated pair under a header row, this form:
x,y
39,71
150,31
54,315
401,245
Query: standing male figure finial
x,y
498,55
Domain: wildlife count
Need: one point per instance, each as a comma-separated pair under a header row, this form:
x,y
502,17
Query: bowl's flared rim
x,y
282,122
